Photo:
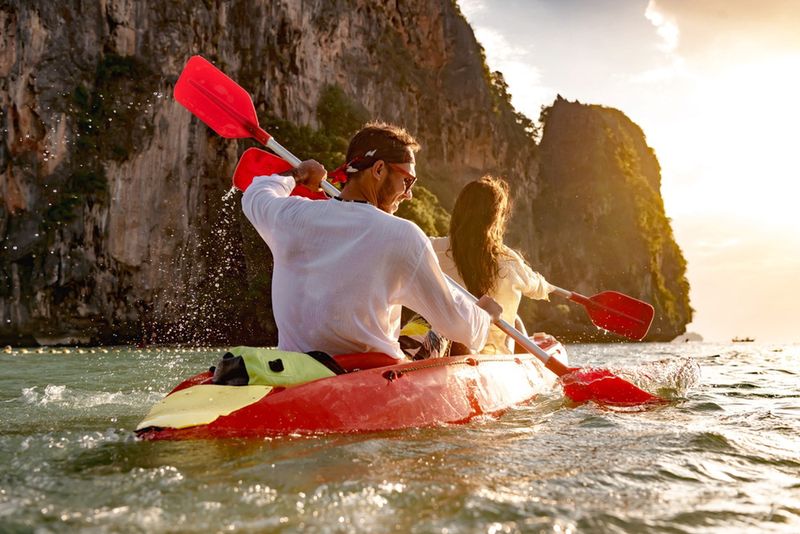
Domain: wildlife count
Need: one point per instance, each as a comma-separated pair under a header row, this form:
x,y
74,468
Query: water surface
x,y
724,457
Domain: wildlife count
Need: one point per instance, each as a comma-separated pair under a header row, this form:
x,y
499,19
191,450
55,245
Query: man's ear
x,y
378,169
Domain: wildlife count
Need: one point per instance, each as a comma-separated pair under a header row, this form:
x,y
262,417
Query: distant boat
x,y
742,340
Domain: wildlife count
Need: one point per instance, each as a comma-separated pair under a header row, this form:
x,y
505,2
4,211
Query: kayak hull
x,y
407,395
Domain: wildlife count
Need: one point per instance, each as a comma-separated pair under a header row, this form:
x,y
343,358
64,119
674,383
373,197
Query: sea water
x,y
723,456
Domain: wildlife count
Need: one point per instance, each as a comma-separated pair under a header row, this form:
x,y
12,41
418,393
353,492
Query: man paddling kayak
x,y
344,268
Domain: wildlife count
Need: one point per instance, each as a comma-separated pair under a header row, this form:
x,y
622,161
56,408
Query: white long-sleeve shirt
x,y
343,270
514,279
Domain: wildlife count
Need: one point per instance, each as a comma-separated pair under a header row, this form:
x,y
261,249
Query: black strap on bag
x,y
230,371
327,360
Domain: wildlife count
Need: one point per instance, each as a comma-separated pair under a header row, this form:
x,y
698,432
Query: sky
x,y
715,85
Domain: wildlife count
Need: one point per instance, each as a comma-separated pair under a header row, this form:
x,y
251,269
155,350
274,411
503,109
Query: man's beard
x,y
386,199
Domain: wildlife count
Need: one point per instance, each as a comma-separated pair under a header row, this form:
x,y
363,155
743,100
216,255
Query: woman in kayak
x,y
475,256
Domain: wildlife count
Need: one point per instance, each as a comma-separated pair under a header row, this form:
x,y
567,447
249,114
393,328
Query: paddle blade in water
x,y
604,387
618,313
218,101
256,162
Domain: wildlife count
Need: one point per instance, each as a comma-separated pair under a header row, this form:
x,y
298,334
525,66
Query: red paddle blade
x,y
618,313
604,387
218,101
256,162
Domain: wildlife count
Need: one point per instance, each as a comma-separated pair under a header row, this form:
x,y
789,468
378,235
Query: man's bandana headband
x,y
359,163
340,175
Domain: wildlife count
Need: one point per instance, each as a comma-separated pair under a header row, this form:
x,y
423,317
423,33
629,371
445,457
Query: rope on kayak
x,y
437,362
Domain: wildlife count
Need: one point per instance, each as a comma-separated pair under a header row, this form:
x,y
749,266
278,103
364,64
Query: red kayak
x,y
406,395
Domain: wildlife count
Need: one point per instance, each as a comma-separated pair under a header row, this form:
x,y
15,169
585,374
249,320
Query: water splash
x,y
51,394
668,378
54,396
229,195
204,312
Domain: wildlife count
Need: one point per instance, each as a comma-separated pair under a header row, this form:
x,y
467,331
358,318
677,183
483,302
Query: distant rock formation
x,y
600,221
112,221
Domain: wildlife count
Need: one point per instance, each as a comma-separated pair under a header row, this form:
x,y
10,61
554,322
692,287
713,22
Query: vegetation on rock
x,y
601,178
109,125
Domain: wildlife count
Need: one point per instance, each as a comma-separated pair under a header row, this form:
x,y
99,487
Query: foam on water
x,y
60,395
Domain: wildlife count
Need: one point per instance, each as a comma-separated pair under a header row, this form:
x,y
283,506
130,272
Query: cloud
x,y
666,27
669,35
706,36
518,69
516,63
710,29
470,8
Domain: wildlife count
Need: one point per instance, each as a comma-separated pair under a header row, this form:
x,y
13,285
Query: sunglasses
x,y
408,178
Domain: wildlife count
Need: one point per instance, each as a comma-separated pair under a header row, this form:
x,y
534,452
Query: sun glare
x,y
743,141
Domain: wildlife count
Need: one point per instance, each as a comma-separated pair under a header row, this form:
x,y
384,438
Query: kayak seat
x,y
365,360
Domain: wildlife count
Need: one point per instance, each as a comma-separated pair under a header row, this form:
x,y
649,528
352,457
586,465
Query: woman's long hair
x,y
477,228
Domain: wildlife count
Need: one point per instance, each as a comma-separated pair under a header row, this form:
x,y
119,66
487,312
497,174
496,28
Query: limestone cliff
x,y
112,221
600,221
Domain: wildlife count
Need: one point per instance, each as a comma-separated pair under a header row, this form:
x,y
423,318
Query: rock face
x,y
112,219
600,221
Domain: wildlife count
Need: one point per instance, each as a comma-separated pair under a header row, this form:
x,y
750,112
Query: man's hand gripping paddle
x,y
256,162
227,108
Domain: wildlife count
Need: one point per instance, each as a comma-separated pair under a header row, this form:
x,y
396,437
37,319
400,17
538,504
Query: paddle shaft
x,y
550,362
